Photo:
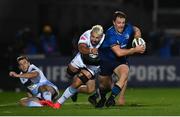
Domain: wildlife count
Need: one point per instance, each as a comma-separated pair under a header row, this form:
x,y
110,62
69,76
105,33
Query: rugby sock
x,y
34,104
47,95
103,93
97,93
67,93
115,91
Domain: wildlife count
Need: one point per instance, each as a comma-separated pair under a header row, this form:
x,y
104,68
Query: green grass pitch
x,y
139,101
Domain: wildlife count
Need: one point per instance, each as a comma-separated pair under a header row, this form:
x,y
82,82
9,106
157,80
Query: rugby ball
x,y
138,41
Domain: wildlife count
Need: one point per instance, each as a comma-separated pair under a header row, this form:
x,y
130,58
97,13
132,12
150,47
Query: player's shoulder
x,y
110,30
85,35
32,67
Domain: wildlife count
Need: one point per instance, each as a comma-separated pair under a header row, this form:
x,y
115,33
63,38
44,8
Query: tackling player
x,y
38,87
113,54
85,64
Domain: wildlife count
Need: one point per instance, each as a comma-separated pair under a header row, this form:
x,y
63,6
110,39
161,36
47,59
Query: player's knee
x,y
91,86
42,88
47,88
23,102
82,77
71,72
91,90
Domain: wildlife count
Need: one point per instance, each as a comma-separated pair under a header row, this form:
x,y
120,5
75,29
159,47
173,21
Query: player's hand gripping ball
x,y
138,41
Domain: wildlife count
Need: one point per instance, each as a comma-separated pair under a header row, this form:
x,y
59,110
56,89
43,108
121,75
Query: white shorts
x,y
78,63
34,88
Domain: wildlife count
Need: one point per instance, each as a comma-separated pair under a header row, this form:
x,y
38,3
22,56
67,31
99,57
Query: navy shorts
x,y
107,67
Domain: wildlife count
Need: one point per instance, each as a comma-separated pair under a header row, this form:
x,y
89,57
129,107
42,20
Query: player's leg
x,y
88,88
70,91
93,98
71,71
104,80
30,102
122,73
104,88
121,98
79,79
96,95
48,91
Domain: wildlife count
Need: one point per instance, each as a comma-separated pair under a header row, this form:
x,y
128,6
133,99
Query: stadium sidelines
x,y
68,103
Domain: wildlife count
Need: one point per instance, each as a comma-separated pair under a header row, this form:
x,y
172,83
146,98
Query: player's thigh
x,y
122,72
48,87
81,78
104,81
87,73
72,69
91,86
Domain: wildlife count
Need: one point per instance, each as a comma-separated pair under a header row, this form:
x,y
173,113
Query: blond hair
x,y
97,29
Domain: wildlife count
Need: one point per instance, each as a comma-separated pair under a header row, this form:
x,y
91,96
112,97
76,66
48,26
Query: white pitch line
x,y
72,103
68,103
9,104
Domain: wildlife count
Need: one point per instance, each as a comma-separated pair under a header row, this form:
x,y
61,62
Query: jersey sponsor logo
x,y
126,36
117,42
83,38
32,87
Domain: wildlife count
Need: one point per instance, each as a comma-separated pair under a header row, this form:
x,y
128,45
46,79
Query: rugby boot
x,y
42,102
47,103
74,97
92,100
56,105
110,101
101,103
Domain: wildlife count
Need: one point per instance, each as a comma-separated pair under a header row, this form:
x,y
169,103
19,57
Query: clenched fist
x,y
13,74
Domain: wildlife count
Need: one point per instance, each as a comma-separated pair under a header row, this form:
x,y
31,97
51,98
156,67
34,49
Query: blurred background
x,y
48,30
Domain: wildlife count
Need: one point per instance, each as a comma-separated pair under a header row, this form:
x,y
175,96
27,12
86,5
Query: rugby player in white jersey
x,y
83,61
85,65
38,87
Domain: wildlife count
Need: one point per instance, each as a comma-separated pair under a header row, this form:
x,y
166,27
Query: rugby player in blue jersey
x,y
113,54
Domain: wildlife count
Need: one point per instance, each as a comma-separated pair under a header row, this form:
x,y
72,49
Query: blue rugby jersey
x,y
112,37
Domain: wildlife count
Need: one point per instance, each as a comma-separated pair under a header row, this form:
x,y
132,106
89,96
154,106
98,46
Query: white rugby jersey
x,y
85,38
38,79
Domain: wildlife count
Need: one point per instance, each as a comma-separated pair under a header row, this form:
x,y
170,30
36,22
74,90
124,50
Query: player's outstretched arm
x,y
24,75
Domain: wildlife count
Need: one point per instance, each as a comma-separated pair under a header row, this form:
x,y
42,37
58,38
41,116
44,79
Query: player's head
x,y
23,62
119,20
96,34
